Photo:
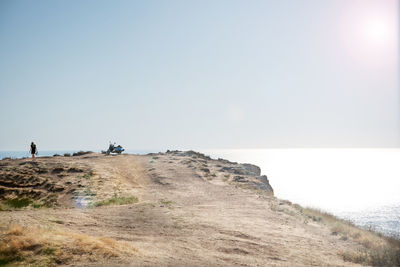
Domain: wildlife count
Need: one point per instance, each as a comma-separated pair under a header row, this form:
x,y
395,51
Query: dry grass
x,y
45,247
384,256
17,244
376,249
318,215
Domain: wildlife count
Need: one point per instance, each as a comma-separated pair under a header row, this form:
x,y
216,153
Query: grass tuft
x,y
37,205
88,175
166,202
116,201
18,203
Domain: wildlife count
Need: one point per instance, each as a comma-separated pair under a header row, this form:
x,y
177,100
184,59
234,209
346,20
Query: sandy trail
x,y
183,219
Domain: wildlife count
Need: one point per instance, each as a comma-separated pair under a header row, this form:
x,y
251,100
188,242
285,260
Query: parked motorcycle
x,y
114,149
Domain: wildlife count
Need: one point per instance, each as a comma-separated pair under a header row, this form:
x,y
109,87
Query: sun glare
x,y
368,33
377,31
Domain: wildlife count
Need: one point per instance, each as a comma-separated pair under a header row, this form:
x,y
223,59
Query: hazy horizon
x,y
199,75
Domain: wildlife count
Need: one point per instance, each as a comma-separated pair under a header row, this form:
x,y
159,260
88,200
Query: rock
x,y
263,184
243,169
252,168
189,153
58,170
74,170
205,170
239,179
263,179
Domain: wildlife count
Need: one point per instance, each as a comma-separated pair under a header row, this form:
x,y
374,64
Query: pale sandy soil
x,y
186,218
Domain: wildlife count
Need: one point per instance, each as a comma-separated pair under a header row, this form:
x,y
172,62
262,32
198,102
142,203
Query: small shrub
x,y
165,202
80,153
88,175
18,203
116,201
49,251
37,205
355,257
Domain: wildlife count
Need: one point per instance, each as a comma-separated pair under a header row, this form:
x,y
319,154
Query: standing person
x,y
33,150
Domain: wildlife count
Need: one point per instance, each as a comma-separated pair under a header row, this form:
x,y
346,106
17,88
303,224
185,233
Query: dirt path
x,y
185,219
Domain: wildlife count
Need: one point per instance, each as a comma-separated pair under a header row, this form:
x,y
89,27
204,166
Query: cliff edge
x,y
179,208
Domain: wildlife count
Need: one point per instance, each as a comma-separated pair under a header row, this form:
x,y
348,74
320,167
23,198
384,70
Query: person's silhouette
x,y
33,150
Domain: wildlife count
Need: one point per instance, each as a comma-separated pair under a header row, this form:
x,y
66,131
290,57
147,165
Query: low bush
x,y
116,201
80,153
18,203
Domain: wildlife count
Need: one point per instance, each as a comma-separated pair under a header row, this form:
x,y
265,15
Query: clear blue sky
x,y
199,74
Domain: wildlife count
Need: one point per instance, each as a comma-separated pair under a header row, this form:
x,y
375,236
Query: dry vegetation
x,y
43,247
376,249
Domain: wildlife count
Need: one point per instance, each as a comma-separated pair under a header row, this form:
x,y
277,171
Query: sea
x,y
361,185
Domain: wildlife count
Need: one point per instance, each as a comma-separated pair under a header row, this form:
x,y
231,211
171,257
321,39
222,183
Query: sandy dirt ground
x,y
189,213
